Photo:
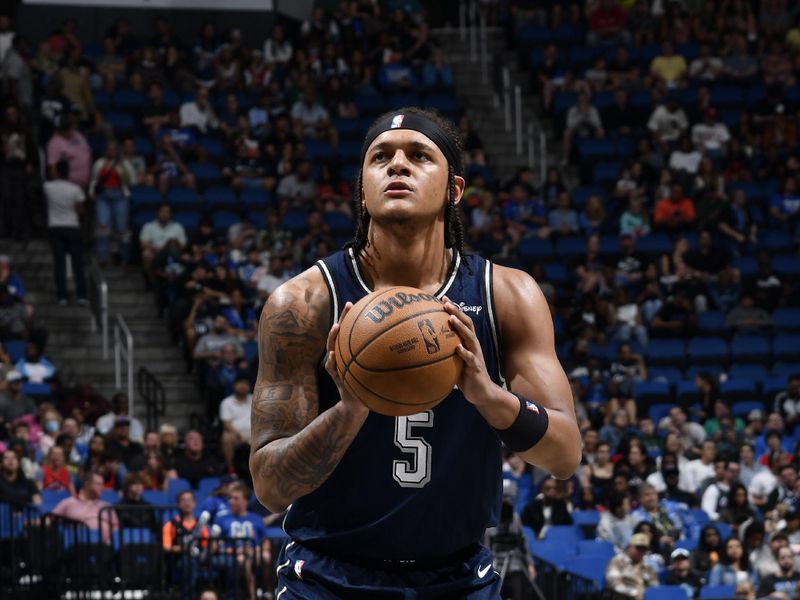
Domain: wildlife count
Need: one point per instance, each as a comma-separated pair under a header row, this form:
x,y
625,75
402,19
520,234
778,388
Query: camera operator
x,y
512,559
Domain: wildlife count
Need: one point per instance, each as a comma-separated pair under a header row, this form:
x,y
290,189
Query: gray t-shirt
x,y
62,199
291,187
213,342
14,67
11,409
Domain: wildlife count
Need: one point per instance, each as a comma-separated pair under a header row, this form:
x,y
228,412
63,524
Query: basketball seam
x,y
385,370
377,395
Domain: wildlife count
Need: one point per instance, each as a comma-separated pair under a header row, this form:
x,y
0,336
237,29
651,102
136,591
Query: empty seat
x,y
707,350
220,197
190,219
750,348
668,352
786,348
183,197
717,592
223,220
145,196
535,249
255,198
687,392
205,173
748,371
785,369
295,220
787,319
651,392
666,592
711,322
339,223
739,389
668,374
786,266
571,247
743,407
556,273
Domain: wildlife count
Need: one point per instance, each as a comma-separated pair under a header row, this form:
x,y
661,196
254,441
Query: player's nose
x,y
399,164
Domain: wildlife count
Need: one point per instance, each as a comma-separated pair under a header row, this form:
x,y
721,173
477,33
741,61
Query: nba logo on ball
x,y
397,121
532,407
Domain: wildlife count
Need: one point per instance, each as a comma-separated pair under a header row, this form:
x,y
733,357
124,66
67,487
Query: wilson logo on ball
x,y
384,308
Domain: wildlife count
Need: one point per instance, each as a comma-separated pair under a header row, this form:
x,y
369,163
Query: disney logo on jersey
x,y
384,308
468,308
429,336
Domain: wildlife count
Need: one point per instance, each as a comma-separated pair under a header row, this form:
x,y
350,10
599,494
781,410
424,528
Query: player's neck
x,y
419,261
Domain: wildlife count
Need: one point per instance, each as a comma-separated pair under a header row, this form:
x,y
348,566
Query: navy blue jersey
x,y
416,487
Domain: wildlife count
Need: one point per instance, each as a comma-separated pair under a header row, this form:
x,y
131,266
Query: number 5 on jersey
x,y
416,471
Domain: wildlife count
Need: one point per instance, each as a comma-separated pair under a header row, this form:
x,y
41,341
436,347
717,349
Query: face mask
x,y
51,426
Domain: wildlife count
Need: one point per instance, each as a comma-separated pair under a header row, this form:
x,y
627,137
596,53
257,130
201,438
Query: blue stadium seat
x,y
750,348
654,244
213,147
714,370
128,100
724,96
656,412
120,122
590,571
556,554
223,219
110,496
207,485
688,543
131,535
609,245
319,150
142,217
786,348
785,369
170,99
739,389
369,104
556,273
748,371
651,392
50,498
787,319
183,197
339,223
145,196
598,548
37,390
775,240
772,385
155,497
220,197
587,520
606,173
257,219
401,99
348,150
743,407
707,350
205,173
666,592
717,592
667,374
581,195
102,101
751,189
711,322
295,220
687,392
534,34
15,349
571,247
251,350
176,486
256,198
747,265
564,534
723,528
786,266
351,128
667,352
755,94
535,249
190,219
445,104
143,146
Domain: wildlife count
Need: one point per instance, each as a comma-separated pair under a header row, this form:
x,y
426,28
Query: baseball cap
x,y
13,376
679,553
121,420
640,540
755,415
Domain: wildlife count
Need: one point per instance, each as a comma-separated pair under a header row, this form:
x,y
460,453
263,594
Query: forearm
x,y
288,468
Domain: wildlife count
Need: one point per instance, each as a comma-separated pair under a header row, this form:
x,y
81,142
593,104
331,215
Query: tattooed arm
x,y
294,448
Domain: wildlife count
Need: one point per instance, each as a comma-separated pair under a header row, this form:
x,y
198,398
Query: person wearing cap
x,y
120,406
119,441
627,574
13,402
681,574
168,444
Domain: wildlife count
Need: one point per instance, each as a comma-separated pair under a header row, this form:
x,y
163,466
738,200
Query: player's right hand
x,y
330,365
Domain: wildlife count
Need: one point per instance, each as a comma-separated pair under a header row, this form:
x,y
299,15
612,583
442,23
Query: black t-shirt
x,y
777,583
713,261
194,470
18,493
131,455
691,582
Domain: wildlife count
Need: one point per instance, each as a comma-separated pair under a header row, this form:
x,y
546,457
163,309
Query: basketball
x,y
396,351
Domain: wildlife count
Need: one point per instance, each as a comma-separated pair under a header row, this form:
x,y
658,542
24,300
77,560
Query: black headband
x,y
426,127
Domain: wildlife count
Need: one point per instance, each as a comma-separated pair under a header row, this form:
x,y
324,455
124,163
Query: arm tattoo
x,y
294,449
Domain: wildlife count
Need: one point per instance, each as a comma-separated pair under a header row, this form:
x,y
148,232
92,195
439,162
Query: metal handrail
x,y
123,349
98,303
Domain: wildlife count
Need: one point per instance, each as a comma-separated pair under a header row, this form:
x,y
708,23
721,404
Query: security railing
x,y
123,350
98,303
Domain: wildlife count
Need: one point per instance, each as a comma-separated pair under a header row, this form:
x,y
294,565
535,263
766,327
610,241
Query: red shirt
x,y
601,19
55,480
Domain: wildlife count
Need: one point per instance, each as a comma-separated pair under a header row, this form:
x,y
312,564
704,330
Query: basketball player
x,y
384,507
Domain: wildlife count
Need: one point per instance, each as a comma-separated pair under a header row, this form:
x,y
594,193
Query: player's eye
x,y
420,155
379,156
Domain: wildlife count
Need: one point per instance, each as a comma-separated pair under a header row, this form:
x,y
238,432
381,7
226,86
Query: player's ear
x,y
459,185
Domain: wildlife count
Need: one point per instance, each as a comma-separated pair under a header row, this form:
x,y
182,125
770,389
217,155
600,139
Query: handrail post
x,y
462,20
98,303
126,349
507,97
484,49
531,147
473,31
518,116
543,155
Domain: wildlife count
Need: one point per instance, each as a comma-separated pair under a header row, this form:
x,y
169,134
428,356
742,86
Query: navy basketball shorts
x,y
307,575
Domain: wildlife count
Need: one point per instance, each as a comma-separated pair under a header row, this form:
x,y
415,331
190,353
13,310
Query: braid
x,y
360,240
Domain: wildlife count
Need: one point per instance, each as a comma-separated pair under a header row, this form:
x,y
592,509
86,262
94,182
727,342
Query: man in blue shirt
x,y
784,208
242,542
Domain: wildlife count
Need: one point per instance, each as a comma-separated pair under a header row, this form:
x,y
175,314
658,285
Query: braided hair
x,y
453,228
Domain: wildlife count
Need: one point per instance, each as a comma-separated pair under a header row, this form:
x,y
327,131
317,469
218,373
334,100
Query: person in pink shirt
x,y
86,507
69,144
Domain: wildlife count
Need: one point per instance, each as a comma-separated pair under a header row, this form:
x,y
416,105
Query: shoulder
x,y
306,287
515,290
302,302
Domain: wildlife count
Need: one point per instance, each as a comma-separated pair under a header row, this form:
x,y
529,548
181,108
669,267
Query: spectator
x,y
627,574
13,402
621,117
198,113
675,318
715,496
16,489
668,122
223,372
748,318
627,320
87,507
706,67
120,408
784,208
33,366
155,235
563,220
733,568
616,524
711,136
708,551
737,510
55,475
765,482
737,226
668,69
298,187
234,413
112,176
119,443
607,25
616,430
662,515
14,316
210,345
635,221
783,584
626,370
19,159
583,121
437,73
681,574
179,536
739,65
277,49
548,508
685,160
696,471
592,219
195,463
69,144
132,509
598,476
674,212
748,466
155,114
787,402
75,85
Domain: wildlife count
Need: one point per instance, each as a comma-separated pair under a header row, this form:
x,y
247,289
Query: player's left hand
x,y
474,382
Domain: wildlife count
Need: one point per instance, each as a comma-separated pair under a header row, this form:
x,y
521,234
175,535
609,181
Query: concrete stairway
x,y
485,111
77,351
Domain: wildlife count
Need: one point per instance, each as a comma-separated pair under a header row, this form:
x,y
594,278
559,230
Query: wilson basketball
x,y
396,351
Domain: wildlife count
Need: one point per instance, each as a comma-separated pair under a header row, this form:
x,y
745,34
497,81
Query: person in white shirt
x,y
155,235
686,158
695,472
234,413
199,113
765,482
715,497
64,206
668,121
120,408
748,466
309,117
277,49
710,136
706,66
